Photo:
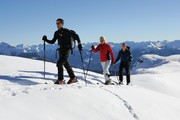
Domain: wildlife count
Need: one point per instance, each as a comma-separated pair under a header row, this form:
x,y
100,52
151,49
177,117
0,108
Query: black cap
x,y
124,44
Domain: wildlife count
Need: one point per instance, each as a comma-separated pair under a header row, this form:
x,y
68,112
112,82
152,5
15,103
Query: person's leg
x,y
60,69
60,72
103,65
121,72
106,69
128,79
69,69
63,56
127,68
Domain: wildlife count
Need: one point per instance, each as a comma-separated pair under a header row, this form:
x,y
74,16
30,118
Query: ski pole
x,y
44,59
83,67
88,64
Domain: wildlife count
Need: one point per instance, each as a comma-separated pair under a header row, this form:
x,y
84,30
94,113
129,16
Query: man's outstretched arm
x,y
50,41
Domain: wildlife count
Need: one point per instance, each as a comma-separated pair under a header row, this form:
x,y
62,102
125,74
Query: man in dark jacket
x,y
125,56
63,36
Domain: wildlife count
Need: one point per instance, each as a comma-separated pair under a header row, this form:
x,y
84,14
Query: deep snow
x,y
153,95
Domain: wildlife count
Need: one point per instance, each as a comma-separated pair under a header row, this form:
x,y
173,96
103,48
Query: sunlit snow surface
x,y
153,95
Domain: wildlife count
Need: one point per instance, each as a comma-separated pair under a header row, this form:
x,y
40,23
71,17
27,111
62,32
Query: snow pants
x,y
106,65
63,61
125,65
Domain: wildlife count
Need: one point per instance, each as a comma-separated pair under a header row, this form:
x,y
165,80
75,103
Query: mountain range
x,y
162,48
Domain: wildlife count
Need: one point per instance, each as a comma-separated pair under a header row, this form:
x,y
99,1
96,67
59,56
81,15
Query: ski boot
x,y
120,83
128,83
107,75
60,82
72,80
108,82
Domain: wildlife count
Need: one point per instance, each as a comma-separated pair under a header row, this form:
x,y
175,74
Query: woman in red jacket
x,y
106,57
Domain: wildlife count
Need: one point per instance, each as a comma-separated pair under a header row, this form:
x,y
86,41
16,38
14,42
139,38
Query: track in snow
x,y
126,104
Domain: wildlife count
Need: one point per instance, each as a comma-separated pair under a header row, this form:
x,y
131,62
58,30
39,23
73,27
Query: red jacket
x,y
105,52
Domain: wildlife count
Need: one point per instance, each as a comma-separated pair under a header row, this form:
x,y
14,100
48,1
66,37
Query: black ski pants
x,y
125,65
63,61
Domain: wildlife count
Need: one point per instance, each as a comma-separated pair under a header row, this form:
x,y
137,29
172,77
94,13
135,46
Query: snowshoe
x,y
72,80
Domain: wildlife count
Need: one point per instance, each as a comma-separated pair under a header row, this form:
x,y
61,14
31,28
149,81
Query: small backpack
x,y
71,41
128,48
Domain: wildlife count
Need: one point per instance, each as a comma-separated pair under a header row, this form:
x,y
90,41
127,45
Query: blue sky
x,y
25,21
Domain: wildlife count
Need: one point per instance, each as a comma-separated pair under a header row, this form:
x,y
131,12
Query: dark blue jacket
x,y
124,55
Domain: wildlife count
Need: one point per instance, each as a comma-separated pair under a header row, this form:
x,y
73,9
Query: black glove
x,y
44,38
80,47
92,47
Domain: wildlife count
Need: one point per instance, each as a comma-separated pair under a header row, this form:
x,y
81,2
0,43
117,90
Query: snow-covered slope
x,y
24,96
159,73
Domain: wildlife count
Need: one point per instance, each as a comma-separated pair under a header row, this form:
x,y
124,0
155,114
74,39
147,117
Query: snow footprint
x,y
13,94
126,104
80,87
25,91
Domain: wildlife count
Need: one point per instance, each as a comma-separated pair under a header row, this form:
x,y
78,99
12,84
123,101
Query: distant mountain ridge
x,y
162,48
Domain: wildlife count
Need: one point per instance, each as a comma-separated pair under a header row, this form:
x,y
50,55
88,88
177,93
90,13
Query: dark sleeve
x,y
119,56
75,36
54,39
